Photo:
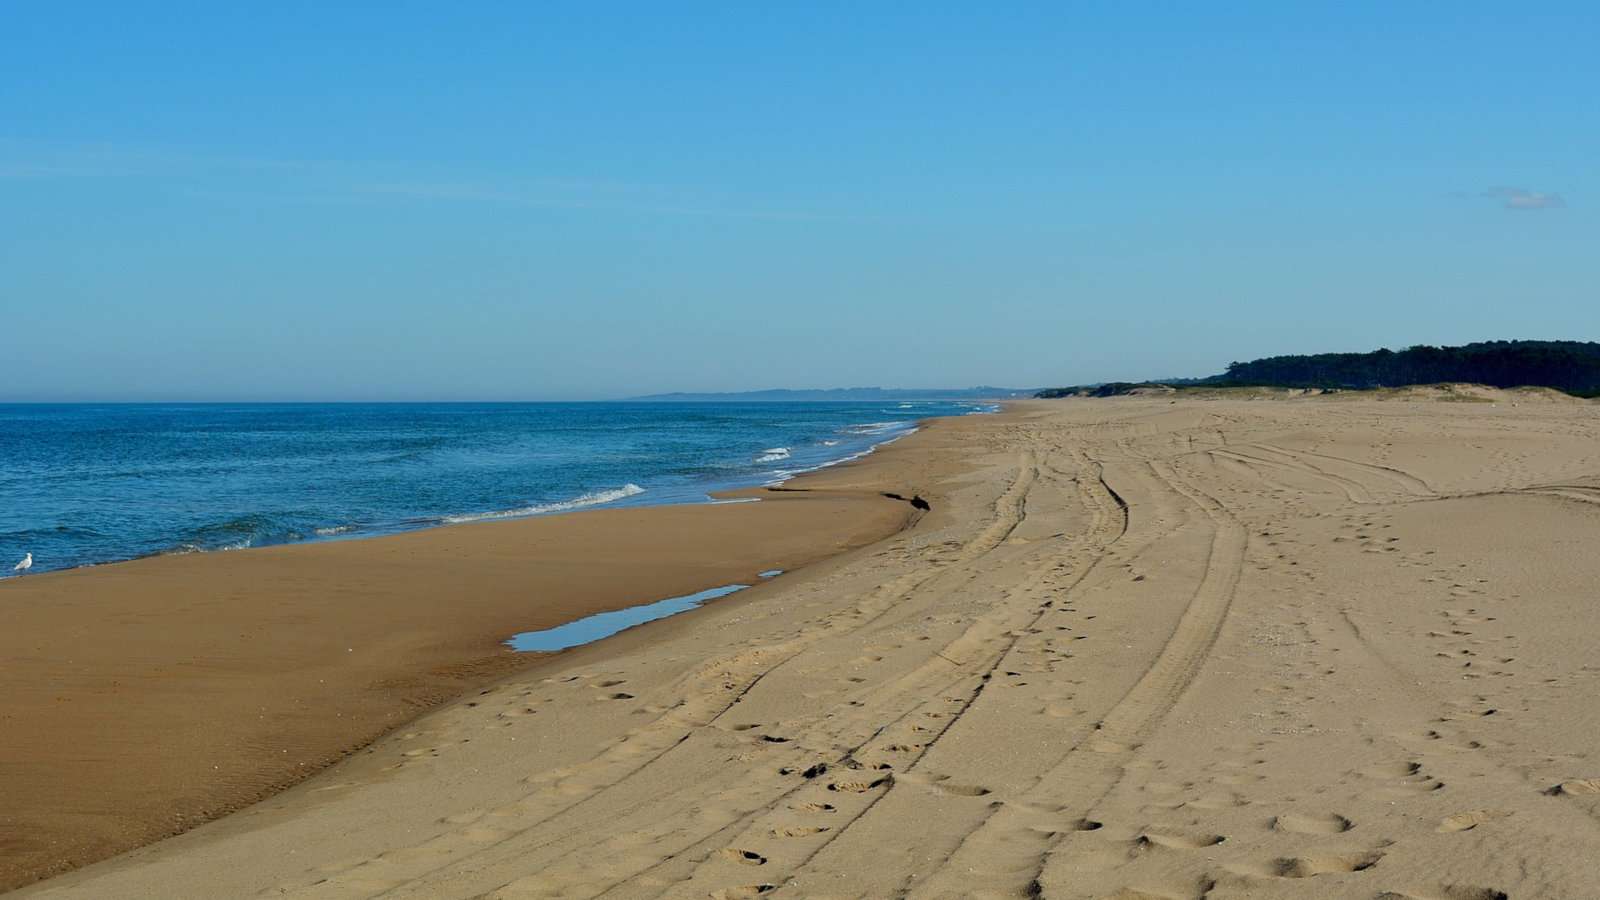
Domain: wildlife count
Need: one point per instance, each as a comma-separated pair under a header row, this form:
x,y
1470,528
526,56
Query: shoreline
x,y
222,679
625,496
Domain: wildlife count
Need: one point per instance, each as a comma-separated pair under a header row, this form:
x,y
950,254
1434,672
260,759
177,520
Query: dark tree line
x,y
1571,366
1109,389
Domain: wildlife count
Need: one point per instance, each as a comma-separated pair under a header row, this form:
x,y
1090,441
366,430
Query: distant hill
x,y
856,395
1570,366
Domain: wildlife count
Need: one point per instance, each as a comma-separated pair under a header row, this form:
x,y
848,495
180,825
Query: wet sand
x,y
1158,648
144,698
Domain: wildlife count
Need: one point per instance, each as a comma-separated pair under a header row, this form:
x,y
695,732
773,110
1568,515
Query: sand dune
x,y
1140,648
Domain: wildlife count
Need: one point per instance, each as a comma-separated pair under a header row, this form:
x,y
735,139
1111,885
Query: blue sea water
x,y
87,484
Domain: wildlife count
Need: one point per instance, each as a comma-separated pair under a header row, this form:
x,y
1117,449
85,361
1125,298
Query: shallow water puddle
x,y
600,625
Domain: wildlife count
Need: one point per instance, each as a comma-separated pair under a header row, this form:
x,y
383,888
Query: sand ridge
x,y
1139,648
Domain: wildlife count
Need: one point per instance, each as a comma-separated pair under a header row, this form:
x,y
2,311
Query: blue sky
x,y
531,201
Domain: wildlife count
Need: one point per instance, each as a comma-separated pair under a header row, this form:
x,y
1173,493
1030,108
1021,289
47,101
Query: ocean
x,y
88,484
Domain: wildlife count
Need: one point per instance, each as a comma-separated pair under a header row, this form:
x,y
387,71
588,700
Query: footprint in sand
x,y
1312,823
813,807
858,787
943,785
1175,841
1448,892
1466,821
1311,866
1406,777
1576,787
743,891
747,857
1392,770
799,830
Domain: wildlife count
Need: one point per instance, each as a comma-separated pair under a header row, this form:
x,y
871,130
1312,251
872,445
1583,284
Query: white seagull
x,y
25,565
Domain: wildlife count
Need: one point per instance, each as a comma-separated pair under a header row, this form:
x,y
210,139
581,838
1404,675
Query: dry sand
x,y
1140,648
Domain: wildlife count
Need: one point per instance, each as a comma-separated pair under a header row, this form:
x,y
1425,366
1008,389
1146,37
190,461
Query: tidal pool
x,y
600,625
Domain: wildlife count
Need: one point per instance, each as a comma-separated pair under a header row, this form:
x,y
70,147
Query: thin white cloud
x,y
1518,198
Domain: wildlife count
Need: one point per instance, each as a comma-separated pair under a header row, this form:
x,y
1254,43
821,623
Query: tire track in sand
x,y
854,784
1109,526
453,860
1022,848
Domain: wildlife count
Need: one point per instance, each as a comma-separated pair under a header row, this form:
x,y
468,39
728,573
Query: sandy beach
x,y
1171,647
144,698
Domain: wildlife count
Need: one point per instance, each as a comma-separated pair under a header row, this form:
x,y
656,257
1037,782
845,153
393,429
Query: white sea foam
x,y
830,443
782,475
592,499
186,548
334,529
872,427
773,454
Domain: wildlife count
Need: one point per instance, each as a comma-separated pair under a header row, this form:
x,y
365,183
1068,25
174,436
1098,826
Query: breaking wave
x,y
591,499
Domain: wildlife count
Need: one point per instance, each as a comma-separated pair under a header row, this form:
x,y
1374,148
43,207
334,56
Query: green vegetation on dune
x,y
1108,389
1570,366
